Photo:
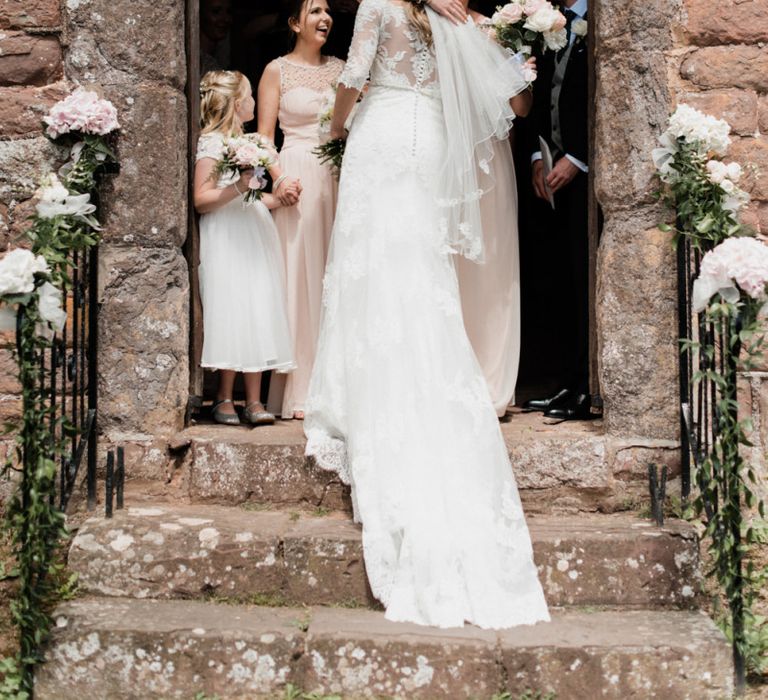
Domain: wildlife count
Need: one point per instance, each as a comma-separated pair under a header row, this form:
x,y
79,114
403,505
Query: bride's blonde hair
x,y
219,90
417,16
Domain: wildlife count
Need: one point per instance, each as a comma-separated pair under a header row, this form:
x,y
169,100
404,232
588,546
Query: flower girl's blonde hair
x,y
219,89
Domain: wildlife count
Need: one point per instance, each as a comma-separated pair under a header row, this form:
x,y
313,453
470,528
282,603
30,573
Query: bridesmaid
x,y
293,91
490,293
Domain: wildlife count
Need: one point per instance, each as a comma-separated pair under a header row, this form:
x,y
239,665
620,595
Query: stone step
x,y
138,649
189,551
566,467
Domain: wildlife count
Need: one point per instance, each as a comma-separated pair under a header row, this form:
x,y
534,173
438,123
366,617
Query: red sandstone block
x,y
29,60
752,153
727,67
727,22
22,108
762,113
737,107
29,13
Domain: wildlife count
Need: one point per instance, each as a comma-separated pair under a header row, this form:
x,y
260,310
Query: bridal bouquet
x,y
519,25
247,152
330,151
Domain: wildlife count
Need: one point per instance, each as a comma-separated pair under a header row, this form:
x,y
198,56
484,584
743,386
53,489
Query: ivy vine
x,y
35,526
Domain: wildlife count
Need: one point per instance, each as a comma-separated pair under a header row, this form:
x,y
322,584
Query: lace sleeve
x,y
210,146
365,42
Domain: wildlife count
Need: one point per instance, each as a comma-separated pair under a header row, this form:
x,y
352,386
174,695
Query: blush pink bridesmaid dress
x,y
305,229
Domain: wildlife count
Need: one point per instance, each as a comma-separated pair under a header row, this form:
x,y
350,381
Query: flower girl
x,y
241,264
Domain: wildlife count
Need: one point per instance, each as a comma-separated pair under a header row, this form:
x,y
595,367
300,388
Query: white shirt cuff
x,y
536,156
581,166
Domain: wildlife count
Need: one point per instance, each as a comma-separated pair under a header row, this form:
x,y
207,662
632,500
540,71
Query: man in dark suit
x,y
559,116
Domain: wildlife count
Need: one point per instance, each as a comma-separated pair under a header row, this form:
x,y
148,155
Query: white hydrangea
x,y
735,264
18,268
711,135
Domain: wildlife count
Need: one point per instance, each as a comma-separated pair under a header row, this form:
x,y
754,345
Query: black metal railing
x,y
712,347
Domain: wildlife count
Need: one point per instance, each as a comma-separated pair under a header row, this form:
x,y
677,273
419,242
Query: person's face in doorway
x,y
215,19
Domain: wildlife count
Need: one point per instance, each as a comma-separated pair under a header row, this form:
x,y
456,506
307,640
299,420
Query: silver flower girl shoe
x,y
258,417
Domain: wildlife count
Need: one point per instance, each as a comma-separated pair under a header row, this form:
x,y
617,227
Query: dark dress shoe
x,y
558,399
576,408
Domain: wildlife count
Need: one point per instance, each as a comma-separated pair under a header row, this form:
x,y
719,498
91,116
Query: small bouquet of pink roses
x,y
248,152
522,24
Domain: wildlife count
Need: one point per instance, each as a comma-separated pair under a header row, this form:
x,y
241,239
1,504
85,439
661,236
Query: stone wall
x,y
134,52
720,65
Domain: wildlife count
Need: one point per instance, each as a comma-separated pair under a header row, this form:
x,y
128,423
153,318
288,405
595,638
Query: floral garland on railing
x,y
730,291
33,285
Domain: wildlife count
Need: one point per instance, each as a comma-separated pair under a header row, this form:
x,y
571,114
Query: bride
x,y
398,405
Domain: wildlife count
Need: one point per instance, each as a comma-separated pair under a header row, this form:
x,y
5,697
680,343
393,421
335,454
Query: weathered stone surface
x,y
175,552
30,13
634,654
638,329
358,654
29,60
563,468
647,23
763,113
634,99
146,204
9,383
727,67
146,457
136,650
143,365
727,22
753,156
116,42
737,107
22,108
166,551
106,648
23,163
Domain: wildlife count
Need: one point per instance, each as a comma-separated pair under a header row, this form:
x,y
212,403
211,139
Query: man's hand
x,y
538,180
451,9
562,173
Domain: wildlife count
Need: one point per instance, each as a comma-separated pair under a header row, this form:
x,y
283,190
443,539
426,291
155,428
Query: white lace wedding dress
x,y
398,405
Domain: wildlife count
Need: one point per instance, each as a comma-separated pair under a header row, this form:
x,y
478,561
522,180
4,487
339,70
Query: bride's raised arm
x,y
362,52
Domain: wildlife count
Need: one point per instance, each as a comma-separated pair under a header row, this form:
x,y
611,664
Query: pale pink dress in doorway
x,y
305,229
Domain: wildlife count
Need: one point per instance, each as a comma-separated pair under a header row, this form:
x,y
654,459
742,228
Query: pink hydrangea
x,y
82,111
736,264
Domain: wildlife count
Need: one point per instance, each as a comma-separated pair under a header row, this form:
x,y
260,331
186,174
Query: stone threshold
x,y
163,550
133,649
570,467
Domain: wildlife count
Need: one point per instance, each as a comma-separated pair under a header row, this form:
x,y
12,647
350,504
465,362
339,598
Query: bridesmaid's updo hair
x,y
219,89
417,16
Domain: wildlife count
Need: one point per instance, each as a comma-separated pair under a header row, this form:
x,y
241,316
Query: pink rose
x,y
510,13
559,22
532,6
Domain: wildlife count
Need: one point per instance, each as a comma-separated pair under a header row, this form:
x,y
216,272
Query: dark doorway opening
x,y
246,36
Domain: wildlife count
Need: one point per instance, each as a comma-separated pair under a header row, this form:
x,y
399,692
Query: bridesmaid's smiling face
x,y
314,23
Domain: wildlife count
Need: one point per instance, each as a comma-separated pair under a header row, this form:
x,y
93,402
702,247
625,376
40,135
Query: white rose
x,y
579,27
555,41
728,186
734,172
50,306
543,19
17,271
